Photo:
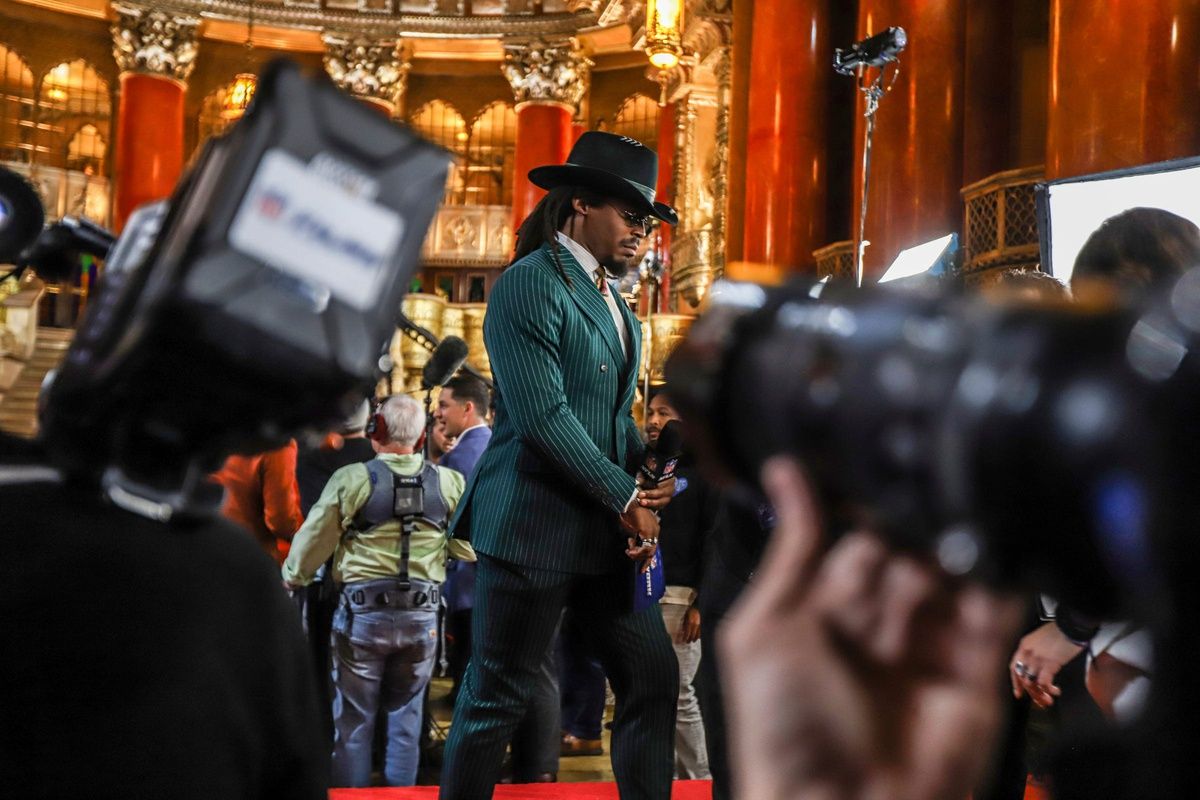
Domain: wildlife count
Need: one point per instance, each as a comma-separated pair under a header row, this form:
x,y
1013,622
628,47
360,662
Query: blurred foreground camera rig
x,y
252,305
1052,447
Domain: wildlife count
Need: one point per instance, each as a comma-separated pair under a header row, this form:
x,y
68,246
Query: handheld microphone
x,y
662,457
447,358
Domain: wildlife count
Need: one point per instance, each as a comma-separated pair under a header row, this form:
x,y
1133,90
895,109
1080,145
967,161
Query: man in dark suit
x,y
553,508
462,409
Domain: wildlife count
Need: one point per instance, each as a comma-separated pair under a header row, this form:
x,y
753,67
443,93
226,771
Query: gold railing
x,y
1001,220
835,260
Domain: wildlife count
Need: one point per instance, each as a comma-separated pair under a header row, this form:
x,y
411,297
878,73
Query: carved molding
x,y
372,69
546,72
390,20
724,73
152,41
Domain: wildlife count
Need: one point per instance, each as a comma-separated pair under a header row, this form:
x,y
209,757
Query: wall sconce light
x,y
238,98
664,33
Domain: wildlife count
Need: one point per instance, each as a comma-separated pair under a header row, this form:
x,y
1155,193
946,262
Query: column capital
x,y
546,72
367,68
149,41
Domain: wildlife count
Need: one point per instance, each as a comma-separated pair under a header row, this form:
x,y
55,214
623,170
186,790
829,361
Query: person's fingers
x,y
984,626
792,553
906,587
846,590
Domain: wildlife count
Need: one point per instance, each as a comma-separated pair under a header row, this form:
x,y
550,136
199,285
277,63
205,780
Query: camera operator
x,y
390,558
144,659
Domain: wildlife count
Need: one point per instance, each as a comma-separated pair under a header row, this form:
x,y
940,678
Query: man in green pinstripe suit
x,y
553,509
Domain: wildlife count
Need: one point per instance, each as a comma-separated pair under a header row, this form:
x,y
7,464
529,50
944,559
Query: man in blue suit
x,y
553,507
462,409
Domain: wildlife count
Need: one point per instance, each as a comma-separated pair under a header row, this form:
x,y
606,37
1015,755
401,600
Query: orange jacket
x,y
262,496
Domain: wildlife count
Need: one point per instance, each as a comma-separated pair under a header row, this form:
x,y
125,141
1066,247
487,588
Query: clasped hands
x,y
641,520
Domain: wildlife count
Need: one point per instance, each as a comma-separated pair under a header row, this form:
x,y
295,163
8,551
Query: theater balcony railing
x,y
1001,222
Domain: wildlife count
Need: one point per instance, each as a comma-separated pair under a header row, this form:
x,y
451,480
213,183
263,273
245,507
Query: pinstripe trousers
x,y
516,611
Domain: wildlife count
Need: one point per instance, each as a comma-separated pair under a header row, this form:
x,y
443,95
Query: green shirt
x,y
375,553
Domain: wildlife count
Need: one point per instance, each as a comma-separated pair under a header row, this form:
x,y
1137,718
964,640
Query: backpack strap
x,y
437,510
378,508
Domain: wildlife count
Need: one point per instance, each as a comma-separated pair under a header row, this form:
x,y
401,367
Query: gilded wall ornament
x,y
154,42
373,69
551,73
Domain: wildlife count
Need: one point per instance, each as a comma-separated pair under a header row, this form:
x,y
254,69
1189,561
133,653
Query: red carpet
x,y
681,790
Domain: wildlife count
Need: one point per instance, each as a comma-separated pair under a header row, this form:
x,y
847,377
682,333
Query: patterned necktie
x,y
601,284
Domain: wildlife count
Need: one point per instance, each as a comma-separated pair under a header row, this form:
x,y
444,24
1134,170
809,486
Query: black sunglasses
x,y
636,220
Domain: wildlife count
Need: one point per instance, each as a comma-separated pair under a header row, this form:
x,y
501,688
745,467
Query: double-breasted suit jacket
x,y
559,468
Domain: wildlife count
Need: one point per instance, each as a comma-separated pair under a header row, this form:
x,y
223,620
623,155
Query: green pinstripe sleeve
x,y
520,331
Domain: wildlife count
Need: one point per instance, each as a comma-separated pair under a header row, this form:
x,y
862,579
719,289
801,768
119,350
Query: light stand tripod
x,y
879,52
873,91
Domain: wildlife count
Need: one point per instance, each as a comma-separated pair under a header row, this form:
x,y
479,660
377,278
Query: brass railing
x,y
1001,221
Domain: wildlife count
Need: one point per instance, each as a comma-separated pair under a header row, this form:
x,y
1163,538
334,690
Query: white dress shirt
x,y
592,267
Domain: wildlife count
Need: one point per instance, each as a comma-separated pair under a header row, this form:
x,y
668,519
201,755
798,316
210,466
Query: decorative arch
x,y
441,123
491,156
18,100
637,118
73,96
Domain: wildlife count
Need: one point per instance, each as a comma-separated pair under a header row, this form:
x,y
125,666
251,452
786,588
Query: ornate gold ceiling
x,y
409,18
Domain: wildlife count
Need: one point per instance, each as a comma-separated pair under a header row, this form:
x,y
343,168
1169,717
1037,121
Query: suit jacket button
x,y
604,367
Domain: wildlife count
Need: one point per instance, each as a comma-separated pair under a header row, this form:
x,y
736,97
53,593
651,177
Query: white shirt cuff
x,y
632,497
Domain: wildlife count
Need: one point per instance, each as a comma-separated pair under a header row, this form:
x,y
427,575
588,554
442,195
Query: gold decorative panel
x,y
1001,221
469,236
666,331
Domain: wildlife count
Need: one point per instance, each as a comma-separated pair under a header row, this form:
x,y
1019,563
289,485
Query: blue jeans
x,y
382,661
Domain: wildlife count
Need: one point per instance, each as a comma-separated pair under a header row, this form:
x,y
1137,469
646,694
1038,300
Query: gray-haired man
x,y
385,524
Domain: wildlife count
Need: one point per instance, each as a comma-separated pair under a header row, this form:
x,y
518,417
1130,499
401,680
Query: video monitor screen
x,y
1069,210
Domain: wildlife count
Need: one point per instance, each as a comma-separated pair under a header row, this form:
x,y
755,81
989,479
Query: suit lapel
x,y
634,327
587,297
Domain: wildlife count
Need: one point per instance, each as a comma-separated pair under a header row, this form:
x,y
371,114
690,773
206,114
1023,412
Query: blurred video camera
x,y
1047,447
1051,446
253,304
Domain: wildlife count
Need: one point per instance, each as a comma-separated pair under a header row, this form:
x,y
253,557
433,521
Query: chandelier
x,y
664,33
238,98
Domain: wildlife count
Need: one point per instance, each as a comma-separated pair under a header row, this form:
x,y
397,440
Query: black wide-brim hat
x,y
615,166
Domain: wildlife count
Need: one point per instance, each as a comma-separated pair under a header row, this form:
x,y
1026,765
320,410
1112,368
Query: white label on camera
x,y
301,223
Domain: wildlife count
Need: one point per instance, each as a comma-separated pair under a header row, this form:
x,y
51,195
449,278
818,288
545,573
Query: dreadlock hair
x,y
547,218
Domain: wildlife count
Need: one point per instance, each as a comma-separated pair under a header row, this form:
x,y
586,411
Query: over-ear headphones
x,y
377,429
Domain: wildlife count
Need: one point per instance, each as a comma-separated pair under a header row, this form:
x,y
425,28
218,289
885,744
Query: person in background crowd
x,y
686,526
262,496
1129,255
314,467
390,569
461,415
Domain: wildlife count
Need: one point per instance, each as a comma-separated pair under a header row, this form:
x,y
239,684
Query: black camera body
x,y
1047,447
257,301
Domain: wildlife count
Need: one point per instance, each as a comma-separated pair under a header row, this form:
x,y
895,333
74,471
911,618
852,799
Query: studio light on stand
x,y
878,52
933,259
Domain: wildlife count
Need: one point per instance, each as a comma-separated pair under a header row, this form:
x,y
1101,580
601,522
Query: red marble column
x,y
1122,84
543,137
149,144
916,167
786,138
